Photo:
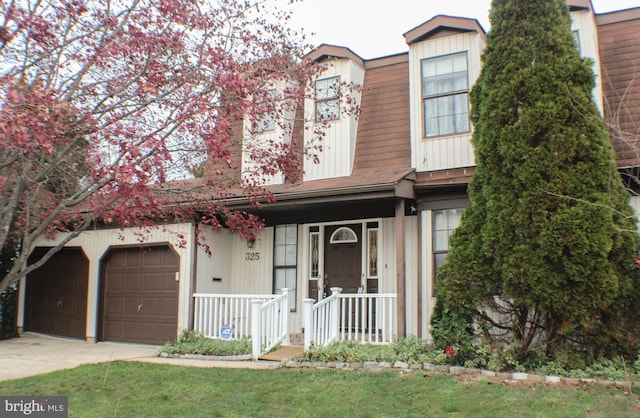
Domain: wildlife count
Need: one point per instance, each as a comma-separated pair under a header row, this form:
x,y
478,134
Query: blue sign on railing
x,y
226,332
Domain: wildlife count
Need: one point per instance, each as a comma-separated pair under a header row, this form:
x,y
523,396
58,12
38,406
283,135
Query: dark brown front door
x,y
56,294
343,258
140,295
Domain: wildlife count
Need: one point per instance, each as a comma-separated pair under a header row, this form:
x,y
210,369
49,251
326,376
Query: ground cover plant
x,y
143,389
193,342
497,358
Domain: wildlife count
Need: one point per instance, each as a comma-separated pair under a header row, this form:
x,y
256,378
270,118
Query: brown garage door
x,y
56,294
140,295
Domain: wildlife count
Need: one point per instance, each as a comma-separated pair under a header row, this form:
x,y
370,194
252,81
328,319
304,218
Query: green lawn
x,y
143,389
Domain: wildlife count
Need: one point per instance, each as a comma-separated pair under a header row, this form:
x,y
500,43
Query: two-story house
x,y
372,217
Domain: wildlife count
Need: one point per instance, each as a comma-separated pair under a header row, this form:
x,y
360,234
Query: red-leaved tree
x,y
105,104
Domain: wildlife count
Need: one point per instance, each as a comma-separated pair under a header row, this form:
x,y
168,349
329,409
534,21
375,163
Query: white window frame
x,y
335,235
327,96
288,265
437,247
267,123
458,95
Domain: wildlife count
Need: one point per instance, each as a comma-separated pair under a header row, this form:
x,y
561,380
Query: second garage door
x,y
140,295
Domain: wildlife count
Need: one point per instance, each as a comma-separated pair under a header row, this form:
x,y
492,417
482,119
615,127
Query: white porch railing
x,y
368,318
215,314
269,324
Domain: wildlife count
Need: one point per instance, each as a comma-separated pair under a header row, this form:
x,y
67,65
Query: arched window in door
x,y
343,235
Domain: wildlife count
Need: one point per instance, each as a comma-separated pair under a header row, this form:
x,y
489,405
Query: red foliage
x,y
103,106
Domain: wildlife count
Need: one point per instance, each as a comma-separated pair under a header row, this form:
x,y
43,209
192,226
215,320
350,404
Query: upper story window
x,y
445,95
327,99
267,121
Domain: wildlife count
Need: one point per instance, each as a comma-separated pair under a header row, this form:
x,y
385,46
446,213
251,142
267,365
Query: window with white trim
x,y
267,121
445,95
343,235
444,223
327,99
285,256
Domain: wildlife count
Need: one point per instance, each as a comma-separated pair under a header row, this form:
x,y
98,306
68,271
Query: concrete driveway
x,y
33,354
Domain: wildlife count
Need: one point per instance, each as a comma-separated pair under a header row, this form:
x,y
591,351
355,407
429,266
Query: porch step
x,y
283,353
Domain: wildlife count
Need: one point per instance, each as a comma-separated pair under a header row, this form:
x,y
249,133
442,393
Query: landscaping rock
x,y
441,368
367,365
552,379
400,365
536,378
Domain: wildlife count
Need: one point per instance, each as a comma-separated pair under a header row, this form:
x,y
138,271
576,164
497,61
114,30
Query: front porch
x,y
265,319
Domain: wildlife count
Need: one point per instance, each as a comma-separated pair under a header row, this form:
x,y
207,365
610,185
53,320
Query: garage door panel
x,y
152,282
149,300
132,281
56,294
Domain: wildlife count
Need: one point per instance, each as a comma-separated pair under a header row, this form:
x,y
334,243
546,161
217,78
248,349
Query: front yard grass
x,y
128,389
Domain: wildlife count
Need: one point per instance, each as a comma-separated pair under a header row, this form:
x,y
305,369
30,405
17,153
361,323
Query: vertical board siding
x,y
215,265
250,274
426,275
338,141
411,272
451,151
583,21
387,266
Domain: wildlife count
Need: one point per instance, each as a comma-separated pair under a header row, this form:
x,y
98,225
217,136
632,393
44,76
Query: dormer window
x,y
327,99
445,95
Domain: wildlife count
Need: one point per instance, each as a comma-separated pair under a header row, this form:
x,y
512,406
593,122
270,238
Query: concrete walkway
x,y
33,354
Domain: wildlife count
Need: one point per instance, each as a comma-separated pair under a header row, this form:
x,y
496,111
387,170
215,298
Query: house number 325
x,y
252,256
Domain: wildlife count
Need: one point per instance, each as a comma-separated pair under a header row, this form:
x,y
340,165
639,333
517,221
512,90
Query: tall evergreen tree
x,y
545,252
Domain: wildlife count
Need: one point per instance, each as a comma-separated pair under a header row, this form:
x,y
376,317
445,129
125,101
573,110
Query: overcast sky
x,y
374,29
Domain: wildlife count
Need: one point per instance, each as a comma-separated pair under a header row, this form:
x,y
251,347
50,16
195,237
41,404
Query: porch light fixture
x,y
250,243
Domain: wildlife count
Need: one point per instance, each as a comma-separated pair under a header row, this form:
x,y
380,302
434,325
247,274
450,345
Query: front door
x,y
343,258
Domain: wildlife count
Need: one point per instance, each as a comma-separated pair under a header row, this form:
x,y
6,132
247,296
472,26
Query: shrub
x,y
193,342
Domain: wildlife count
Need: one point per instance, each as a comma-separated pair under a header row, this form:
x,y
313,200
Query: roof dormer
x,y
330,111
444,62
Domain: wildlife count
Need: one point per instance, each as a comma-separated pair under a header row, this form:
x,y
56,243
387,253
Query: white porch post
x,y
256,326
335,318
285,316
307,311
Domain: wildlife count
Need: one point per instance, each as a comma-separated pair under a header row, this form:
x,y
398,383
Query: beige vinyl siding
x,y
583,21
450,151
215,266
411,273
426,275
339,142
248,274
